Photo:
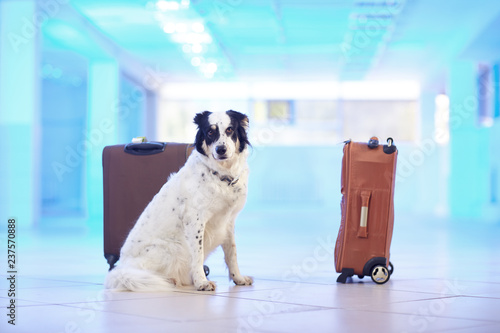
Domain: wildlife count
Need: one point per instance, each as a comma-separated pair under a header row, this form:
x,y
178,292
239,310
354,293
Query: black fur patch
x,y
239,122
201,119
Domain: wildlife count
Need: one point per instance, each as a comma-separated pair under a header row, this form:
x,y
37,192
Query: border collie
x,y
192,214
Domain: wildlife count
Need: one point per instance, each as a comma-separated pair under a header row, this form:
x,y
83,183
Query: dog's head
x,y
221,135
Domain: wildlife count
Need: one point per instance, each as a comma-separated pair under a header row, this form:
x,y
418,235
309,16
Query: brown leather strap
x,y
363,220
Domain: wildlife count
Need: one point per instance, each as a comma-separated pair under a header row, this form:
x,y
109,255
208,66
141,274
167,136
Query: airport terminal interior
x,y
77,76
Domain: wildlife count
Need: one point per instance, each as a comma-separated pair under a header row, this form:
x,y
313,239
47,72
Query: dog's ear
x,y
240,117
198,143
201,119
242,129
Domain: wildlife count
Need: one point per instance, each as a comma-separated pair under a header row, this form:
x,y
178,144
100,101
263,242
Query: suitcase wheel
x,y
206,269
391,268
380,274
361,276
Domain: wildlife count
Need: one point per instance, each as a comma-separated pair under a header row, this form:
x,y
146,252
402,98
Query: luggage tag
x,y
139,139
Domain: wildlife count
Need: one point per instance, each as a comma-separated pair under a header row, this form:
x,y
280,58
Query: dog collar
x,y
230,181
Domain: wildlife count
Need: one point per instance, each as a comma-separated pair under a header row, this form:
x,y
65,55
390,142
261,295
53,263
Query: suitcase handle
x,y
363,220
145,148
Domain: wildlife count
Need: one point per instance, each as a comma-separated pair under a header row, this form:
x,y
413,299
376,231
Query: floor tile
x,y
346,296
24,282
194,307
483,328
82,293
225,286
339,320
59,319
6,301
447,287
464,307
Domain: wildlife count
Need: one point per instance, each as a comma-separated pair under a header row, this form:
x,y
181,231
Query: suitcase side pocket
x,y
363,220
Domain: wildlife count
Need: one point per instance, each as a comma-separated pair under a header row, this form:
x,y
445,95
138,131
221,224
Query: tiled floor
x,y
446,279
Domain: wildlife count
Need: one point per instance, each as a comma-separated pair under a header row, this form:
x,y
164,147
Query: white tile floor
x,y
446,279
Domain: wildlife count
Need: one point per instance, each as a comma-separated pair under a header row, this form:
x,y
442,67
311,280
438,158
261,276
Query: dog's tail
x,y
134,279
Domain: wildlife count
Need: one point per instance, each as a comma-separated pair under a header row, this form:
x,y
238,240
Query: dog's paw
x,y
243,280
206,286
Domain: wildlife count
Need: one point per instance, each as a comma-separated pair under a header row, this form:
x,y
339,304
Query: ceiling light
x,y
206,38
188,29
198,27
197,48
167,5
169,28
194,38
180,27
191,38
211,67
196,61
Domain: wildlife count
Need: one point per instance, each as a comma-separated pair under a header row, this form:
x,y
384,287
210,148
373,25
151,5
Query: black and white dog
x,y
192,214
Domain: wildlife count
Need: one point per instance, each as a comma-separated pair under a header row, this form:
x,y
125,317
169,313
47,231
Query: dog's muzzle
x,y
221,152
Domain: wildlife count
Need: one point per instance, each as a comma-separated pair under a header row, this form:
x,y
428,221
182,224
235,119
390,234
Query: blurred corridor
x,y
78,75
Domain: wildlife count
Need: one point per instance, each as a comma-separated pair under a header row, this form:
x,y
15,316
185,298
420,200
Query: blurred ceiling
x,y
281,40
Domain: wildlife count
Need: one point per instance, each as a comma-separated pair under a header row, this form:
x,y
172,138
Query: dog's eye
x,y
229,130
210,132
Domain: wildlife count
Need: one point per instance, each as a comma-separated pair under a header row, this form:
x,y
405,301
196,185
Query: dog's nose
x,y
221,150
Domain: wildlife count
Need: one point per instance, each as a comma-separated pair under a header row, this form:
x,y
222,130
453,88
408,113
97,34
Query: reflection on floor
x,y
446,278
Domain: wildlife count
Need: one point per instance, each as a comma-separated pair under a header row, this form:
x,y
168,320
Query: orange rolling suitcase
x,y
367,206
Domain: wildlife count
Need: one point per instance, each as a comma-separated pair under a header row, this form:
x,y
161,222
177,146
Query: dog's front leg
x,y
194,230
229,247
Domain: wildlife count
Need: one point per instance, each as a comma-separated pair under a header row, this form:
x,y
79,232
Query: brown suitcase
x,y
132,175
367,206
